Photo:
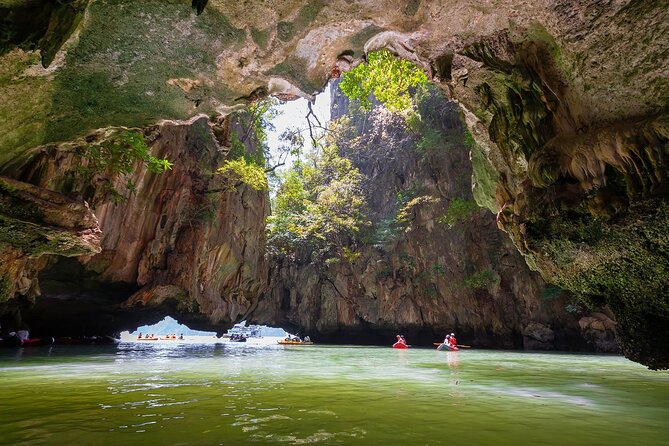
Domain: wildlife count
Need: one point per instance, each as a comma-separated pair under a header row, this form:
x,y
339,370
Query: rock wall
x,y
426,278
567,101
180,244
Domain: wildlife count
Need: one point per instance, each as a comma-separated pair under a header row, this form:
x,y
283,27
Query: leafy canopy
x,y
117,156
320,204
458,210
240,171
387,77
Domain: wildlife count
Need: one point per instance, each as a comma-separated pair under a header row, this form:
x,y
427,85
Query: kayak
x,y
284,342
400,345
147,339
37,341
446,347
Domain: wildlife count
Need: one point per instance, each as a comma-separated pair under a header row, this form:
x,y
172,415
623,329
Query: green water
x,y
235,395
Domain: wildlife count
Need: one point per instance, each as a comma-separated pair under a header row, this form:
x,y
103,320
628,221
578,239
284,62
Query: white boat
x,y
242,331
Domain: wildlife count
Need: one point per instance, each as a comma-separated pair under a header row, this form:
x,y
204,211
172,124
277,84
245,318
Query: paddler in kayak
x,y
451,340
401,342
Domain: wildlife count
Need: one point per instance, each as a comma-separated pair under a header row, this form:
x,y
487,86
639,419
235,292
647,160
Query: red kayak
x,y
400,345
37,341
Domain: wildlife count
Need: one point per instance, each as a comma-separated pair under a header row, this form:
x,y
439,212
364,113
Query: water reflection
x,y
452,359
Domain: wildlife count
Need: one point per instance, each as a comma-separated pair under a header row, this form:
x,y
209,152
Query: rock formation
x,y
179,244
567,101
415,274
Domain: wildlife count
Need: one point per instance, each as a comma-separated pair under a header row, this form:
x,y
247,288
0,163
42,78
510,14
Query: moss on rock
x,y
623,263
35,240
109,79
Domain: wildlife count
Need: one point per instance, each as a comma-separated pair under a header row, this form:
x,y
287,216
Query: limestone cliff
x,y
415,274
566,100
180,243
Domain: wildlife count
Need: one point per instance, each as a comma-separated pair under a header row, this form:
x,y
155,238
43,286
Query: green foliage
x,y
319,204
250,154
262,113
405,214
430,141
479,280
573,307
405,195
117,156
468,139
241,171
255,123
438,269
386,231
458,210
551,292
387,77
350,255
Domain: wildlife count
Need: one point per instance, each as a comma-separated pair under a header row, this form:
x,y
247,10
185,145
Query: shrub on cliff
x,y
241,171
385,76
117,156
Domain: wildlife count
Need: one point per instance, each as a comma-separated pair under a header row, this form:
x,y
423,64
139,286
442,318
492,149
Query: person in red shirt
x,y
452,341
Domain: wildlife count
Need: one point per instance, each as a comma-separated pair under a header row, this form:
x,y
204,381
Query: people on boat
x,y
139,336
451,340
181,336
307,339
401,340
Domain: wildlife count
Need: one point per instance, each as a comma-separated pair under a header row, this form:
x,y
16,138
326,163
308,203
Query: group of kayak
x,y
152,337
449,344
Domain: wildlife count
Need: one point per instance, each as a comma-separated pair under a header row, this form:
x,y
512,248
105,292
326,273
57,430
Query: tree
x,y
319,204
387,77
116,156
241,171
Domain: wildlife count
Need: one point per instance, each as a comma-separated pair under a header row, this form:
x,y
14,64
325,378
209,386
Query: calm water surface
x,y
137,394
